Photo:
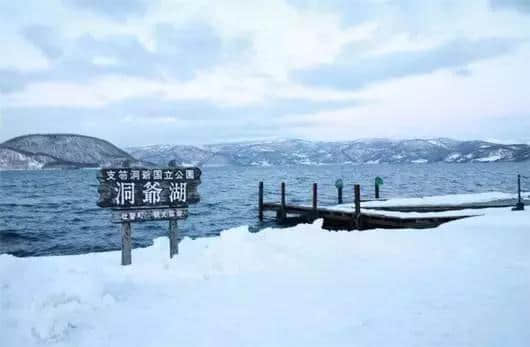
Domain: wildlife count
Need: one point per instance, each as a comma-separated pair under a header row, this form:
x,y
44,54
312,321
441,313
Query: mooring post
x,y
282,213
315,200
520,205
357,200
339,184
126,243
519,187
378,183
260,201
173,238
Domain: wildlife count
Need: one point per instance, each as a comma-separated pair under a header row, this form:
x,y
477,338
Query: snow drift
x,y
466,283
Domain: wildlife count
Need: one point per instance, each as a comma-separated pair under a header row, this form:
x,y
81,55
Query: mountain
x,y
300,152
59,151
76,151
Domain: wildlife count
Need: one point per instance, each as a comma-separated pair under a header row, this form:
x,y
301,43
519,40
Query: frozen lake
x,y
55,212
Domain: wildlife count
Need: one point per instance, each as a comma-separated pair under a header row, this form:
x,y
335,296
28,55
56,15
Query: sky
x,y
138,72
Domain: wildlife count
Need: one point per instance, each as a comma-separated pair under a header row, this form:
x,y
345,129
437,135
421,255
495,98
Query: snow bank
x,y
466,283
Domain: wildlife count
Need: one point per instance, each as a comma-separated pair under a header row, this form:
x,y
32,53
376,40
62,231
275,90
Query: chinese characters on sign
x,y
171,187
150,174
125,193
146,215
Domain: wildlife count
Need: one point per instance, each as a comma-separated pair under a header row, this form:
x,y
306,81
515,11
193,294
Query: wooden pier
x,y
341,218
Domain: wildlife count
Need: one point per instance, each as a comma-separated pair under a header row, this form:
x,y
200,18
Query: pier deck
x,y
340,219
415,213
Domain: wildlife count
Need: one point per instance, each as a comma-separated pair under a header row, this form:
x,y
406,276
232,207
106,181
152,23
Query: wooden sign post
x,y
141,195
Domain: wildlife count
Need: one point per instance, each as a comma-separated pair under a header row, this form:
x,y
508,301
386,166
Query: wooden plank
x,y
344,220
126,243
147,215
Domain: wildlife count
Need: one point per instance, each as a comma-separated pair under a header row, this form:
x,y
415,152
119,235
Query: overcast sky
x,y
141,72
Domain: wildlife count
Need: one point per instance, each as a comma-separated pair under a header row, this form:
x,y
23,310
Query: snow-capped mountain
x,y
59,151
300,152
75,151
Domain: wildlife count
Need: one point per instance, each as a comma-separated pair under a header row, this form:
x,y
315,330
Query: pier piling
x,y
283,211
520,205
357,200
260,201
315,201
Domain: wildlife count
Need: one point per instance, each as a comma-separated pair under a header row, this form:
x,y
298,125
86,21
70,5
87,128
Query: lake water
x,y
54,211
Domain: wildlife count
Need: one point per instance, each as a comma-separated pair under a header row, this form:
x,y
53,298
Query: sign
x,y
339,183
146,215
378,181
148,188
141,195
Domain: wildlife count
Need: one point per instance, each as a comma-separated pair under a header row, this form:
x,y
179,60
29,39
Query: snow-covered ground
x,y
466,283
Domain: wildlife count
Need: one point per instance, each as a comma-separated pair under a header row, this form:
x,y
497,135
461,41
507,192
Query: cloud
x,y
151,120
518,5
250,68
352,72
10,80
115,9
45,39
181,52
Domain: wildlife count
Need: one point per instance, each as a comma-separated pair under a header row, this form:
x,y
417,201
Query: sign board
x,y
339,183
378,181
148,188
147,215
142,194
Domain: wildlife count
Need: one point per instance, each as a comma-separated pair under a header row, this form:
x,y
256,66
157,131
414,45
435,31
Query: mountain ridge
x,y
62,150
362,151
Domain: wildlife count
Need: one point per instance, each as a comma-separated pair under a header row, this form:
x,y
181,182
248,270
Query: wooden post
x,y
520,205
377,191
315,200
173,238
519,188
260,201
339,192
283,210
126,243
283,194
357,199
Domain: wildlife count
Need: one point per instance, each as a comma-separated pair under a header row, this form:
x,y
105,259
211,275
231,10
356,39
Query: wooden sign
x,y
141,194
147,215
137,187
